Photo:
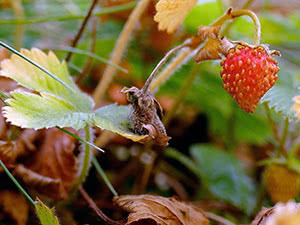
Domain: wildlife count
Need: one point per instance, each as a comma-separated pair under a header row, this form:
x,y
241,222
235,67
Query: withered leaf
x,y
14,206
53,169
213,49
148,209
145,115
11,150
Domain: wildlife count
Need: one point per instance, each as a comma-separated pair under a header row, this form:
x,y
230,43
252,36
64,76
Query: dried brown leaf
x,y
14,206
11,150
148,209
44,185
213,49
55,163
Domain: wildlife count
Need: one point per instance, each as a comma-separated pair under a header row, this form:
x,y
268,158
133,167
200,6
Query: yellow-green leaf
x,y
33,78
45,215
29,110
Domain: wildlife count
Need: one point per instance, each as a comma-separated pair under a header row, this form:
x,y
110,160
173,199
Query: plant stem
x,y
231,14
94,207
170,68
161,62
284,132
119,49
81,28
89,62
103,176
16,183
84,169
275,131
245,6
188,83
19,28
109,10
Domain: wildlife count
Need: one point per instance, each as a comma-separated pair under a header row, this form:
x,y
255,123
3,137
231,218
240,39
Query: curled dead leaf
x,y
14,206
148,209
53,169
213,49
23,145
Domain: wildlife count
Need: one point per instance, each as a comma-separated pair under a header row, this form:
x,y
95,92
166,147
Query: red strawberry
x,y
248,73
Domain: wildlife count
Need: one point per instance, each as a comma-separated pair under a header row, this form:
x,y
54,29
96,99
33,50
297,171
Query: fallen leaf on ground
x,y
148,209
14,206
53,169
23,145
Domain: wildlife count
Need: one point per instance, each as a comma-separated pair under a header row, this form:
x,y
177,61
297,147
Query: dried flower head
x,y
171,13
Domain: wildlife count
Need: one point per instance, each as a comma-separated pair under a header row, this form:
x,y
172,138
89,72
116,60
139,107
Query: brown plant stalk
x,y
81,28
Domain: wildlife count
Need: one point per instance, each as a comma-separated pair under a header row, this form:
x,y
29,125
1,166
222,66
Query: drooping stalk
x,y
170,68
16,183
162,61
231,14
120,46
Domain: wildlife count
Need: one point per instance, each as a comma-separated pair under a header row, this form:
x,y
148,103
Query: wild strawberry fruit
x,y
282,184
248,73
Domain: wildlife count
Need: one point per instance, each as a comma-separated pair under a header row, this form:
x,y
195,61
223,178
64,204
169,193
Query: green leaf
x,y
33,78
280,97
116,119
45,215
196,17
29,110
222,173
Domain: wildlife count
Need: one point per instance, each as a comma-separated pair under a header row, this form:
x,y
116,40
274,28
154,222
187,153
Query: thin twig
x,y
89,62
119,48
82,27
95,208
275,131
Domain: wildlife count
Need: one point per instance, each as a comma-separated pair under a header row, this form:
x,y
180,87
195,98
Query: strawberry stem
x,y
231,14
